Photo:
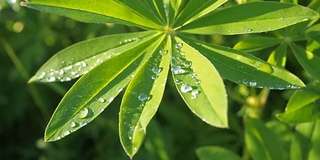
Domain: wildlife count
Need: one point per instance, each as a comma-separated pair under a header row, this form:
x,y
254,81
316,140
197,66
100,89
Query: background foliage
x,y
29,38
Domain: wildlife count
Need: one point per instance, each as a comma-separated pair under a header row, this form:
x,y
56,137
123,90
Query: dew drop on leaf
x,y
83,113
65,133
266,68
143,97
156,70
178,46
252,83
153,77
102,100
73,124
51,79
248,30
185,88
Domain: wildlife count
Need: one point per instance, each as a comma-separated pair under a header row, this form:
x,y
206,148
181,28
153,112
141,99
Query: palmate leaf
x,y
91,93
109,11
303,105
142,98
82,57
252,17
246,69
202,89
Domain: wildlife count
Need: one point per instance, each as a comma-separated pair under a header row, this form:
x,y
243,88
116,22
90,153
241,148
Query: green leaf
x,y
202,89
142,99
82,57
256,43
303,105
244,68
261,141
155,142
214,152
278,56
196,9
252,17
109,11
308,60
305,145
91,94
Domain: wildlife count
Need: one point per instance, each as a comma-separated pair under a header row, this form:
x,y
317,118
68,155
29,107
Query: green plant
x,y
141,61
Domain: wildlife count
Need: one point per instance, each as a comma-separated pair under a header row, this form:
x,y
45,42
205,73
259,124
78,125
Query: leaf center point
x,y
169,31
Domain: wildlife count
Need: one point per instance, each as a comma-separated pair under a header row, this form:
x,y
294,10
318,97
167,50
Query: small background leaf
x,y
261,141
214,152
256,43
303,105
308,60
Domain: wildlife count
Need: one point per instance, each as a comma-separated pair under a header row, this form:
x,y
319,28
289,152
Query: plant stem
x,y
32,89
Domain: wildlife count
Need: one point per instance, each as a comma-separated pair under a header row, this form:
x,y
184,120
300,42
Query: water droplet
x,y
102,100
130,132
280,87
253,83
83,113
245,81
248,30
187,63
178,46
143,97
295,86
83,124
177,70
163,52
185,88
66,133
119,90
58,137
156,70
73,73
153,77
265,67
111,99
51,79
73,124
281,18
68,67
194,94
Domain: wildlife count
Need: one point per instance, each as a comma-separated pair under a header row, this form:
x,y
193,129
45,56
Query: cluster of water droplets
x,y
129,40
76,68
266,68
181,67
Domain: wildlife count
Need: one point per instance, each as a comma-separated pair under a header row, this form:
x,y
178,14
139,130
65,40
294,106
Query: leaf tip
x,y
32,79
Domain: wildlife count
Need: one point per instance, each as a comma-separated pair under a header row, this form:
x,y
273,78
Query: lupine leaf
x,y
202,89
256,43
246,69
82,57
252,17
303,105
260,141
95,11
142,99
308,60
214,152
91,93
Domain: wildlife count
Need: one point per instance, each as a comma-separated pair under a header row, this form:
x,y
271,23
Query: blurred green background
x,y
28,38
